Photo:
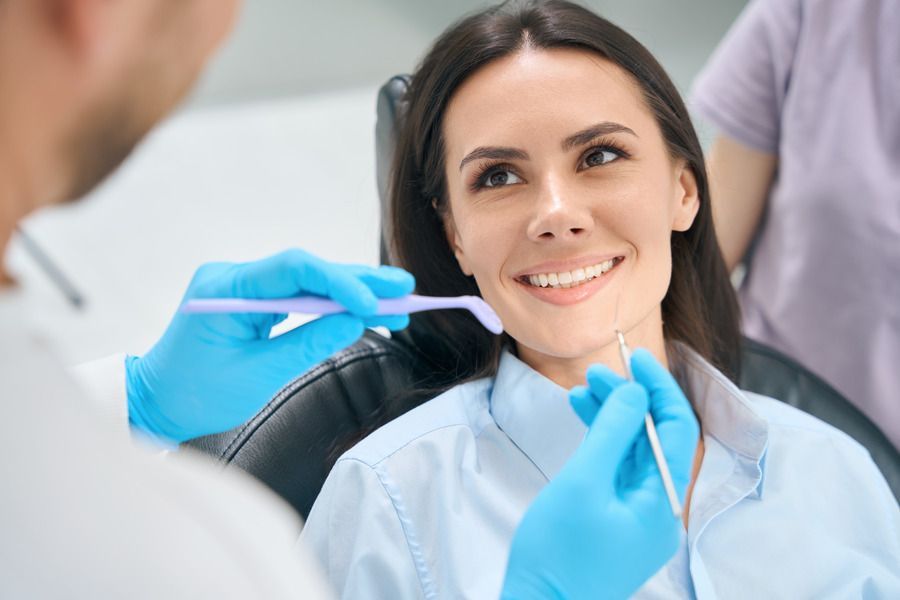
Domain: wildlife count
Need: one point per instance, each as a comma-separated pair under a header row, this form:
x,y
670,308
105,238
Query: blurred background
x,y
285,48
275,148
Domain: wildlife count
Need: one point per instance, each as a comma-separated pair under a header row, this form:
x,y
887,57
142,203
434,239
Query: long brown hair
x,y
699,309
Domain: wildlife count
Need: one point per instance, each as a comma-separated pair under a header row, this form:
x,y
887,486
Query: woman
x,y
547,163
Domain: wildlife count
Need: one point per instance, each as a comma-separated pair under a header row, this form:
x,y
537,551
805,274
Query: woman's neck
x,y
569,371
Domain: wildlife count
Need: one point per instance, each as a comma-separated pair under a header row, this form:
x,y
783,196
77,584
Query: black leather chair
x,y
291,443
766,371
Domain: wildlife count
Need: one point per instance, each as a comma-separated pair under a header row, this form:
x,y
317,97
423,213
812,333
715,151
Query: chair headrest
x,y
391,104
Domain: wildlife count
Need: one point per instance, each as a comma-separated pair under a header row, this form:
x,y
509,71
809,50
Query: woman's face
x,y
563,198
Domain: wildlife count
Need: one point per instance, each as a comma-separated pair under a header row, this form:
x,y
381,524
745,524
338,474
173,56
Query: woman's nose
x,y
560,214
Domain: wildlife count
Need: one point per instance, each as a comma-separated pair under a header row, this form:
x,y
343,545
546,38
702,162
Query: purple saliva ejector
x,y
315,305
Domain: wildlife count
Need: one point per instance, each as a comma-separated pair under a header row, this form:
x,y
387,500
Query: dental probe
x,y
625,354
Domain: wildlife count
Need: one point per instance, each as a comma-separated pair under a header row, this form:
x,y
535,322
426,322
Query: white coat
x,y
85,513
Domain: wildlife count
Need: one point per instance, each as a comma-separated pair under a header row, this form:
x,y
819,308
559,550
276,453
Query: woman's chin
x,y
587,349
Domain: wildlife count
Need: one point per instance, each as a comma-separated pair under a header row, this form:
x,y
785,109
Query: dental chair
x,y
290,444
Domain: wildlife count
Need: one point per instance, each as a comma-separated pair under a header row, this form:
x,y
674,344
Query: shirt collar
x,y
726,414
724,409
535,413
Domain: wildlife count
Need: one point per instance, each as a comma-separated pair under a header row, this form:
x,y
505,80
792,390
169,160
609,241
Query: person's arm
x,y
211,372
741,92
740,180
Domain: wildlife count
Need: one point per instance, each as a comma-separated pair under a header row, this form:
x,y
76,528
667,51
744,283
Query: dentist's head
x,y
82,82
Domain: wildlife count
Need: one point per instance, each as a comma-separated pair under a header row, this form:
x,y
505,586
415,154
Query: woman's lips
x,y
572,295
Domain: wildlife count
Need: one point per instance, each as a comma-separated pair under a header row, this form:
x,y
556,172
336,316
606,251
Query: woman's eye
x,y
501,177
600,157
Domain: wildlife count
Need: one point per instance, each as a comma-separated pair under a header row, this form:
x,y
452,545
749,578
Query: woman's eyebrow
x,y
494,152
594,131
578,139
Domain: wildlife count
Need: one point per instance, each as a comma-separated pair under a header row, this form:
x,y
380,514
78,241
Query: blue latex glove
x,y
603,526
211,372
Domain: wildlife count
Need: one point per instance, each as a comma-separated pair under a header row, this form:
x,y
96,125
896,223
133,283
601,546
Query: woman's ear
x,y
453,237
687,198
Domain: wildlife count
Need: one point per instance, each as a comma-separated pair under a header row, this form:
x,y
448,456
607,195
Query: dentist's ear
x,y
84,26
452,235
687,198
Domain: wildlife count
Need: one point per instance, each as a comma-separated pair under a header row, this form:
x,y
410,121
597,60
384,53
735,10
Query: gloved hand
x,y
211,372
603,526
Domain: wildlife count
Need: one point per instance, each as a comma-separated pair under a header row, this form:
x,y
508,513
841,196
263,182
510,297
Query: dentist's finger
x,y
392,322
584,404
313,342
296,272
614,431
387,281
602,380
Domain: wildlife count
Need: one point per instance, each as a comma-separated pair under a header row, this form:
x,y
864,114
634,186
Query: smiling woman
x,y
586,128
574,178
547,163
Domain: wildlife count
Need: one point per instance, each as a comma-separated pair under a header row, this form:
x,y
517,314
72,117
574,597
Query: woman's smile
x,y
564,285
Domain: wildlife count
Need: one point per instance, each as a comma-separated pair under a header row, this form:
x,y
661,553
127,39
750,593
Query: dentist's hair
x,y
699,309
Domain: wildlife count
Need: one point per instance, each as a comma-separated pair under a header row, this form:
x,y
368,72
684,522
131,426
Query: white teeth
x,y
567,279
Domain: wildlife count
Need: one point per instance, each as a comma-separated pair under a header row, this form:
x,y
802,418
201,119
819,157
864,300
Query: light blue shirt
x,y
784,505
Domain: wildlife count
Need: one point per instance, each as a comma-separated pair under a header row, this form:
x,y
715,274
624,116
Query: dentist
x,y
84,512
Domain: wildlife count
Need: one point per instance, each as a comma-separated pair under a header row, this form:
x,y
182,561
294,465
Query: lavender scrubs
x,y
817,82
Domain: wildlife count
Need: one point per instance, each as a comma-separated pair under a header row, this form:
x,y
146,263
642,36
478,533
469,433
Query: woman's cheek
x,y
657,266
490,243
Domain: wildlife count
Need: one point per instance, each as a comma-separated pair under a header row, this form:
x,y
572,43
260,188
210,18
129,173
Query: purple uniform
x,y
817,82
